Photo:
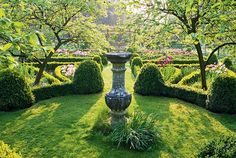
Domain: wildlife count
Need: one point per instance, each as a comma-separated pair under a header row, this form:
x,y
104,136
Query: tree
x,y
208,22
14,42
62,22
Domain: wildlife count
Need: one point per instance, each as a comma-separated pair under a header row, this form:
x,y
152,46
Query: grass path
x,y
61,127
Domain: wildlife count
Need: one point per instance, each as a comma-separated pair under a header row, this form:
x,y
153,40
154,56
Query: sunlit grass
x,y
61,127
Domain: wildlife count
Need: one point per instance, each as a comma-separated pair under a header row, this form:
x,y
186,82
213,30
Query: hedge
x,y
47,92
186,93
176,77
64,59
189,79
59,75
175,61
50,78
6,152
51,66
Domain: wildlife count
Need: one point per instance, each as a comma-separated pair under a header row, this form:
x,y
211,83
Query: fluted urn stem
x,y
118,99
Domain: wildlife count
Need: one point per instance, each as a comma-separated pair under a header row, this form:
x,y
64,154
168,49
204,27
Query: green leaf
x,y
6,47
33,39
2,14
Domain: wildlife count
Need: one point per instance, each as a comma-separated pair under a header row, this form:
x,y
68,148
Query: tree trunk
x,y
202,66
42,68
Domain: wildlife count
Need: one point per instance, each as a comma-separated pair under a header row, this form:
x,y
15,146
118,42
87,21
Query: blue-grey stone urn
x,y
118,99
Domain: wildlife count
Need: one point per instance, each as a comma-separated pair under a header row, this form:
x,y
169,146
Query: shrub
x,y
88,78
139,133
228,62
176,77
222,147
223,94
133,56
47,92
190,79
51,79
136,71
189,94
104,58
213,60
64,59
136,61
98,60
149,81
51,66
6,152
61,77
15,93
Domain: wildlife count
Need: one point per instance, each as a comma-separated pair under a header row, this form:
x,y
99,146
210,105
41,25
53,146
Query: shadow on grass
x,y
49,128
184,127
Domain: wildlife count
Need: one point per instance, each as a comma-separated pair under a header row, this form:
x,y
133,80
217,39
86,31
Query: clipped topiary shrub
x,y
213,59
133,56
223,94
137,61
222,147
149,81
6,152
104,58
139,133
88,78
228,62
15,93
98,60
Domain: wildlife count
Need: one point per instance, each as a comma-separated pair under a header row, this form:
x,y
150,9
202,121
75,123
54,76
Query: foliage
x,y
51,66
136,61
139,133
223,94
213,60
222,147
50,91
190,79
187,93
176,77
60,76
51,79
228,62
6,152
15,93
63,59
88,78
104,58
98,59
149,81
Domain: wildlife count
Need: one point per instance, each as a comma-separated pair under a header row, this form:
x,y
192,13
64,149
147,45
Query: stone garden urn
x,y
118,99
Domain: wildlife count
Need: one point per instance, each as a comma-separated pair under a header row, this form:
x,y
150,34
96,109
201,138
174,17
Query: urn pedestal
x,y
118,99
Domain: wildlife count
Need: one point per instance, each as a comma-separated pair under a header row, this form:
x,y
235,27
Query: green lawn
x,y
61,127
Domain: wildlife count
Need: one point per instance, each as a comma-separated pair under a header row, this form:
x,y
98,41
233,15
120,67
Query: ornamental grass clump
x,y
139,133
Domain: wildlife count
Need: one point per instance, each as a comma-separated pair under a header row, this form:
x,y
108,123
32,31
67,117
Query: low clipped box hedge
x,y
56,90
223,94
136,61
7,152
221,147
88,78
15,93
98,59
149,81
